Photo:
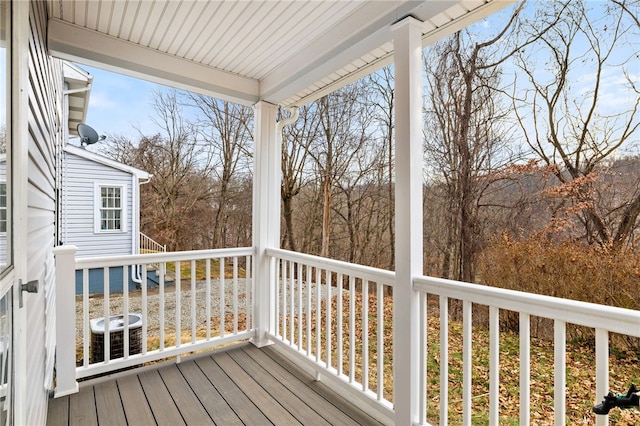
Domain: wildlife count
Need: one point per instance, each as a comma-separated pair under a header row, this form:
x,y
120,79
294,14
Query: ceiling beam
x,y
336,49
329,64
74,43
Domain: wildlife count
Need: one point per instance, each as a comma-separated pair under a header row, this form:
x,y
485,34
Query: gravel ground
x,y
116,301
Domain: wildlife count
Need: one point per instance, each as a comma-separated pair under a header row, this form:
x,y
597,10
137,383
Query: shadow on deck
x,y
237,385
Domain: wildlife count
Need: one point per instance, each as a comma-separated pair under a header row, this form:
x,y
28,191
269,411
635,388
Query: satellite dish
x,y
88,136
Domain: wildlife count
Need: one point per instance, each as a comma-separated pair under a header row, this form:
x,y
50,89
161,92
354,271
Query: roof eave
x,y
78,90
92,156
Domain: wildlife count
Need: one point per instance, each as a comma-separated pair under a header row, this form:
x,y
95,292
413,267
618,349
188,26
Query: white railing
x,y
602,319
205,301
333,318
149,245
333,314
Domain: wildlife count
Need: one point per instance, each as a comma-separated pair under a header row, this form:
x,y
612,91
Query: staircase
x,y
149,245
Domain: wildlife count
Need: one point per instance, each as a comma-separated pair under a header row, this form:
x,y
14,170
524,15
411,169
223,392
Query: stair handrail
x,y
149,245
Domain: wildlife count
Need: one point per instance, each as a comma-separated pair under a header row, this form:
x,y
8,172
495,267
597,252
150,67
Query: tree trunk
x,y
326,215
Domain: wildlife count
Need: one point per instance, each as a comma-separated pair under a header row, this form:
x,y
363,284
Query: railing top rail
x,y
618,320
365,272
109,261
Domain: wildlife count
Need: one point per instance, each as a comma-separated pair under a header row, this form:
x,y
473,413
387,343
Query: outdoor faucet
x,y
630,400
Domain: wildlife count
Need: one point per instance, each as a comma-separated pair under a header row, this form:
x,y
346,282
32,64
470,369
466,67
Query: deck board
x,y
208,395
82,408
134,402
58,414
269,405
160,400
289,400
241,404
108,405
232,386
344,405
300,386
187,402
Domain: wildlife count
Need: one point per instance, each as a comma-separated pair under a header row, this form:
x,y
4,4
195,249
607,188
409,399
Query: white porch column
x,y
266,214
408,151
65,261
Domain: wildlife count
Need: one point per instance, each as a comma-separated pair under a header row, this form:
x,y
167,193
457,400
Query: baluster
x,y
85,317
292,308
284,299
318,310
444,360
207,268
235,295
339,335
125,313
300,326
144,309
559,372
328,316
248,294
365,335
163,269
193,301
467,356
525,368
352,328
422,399
223,297
494,365
178,284
107,323
380,337
309,315
277,296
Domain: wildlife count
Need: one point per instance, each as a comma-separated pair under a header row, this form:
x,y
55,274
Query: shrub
x,y
569,270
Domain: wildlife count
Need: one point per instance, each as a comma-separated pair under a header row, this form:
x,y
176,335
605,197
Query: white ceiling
x,y
284,52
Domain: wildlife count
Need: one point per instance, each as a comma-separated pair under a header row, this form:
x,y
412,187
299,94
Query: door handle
x,y
29,287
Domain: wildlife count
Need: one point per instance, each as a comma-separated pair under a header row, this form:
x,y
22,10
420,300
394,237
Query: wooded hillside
x,y
531,132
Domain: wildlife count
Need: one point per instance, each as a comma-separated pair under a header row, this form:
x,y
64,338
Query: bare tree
x,y
178,198
296,144
226,129
569,119
464,134
342,136
384,103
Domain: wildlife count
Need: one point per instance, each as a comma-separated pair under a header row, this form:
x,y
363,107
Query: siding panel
x,y
45,97
80,177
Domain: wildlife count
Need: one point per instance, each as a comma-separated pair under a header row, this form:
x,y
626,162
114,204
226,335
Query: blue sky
x,y
118,104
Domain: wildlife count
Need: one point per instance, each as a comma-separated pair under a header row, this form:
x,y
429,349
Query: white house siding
x,y
80,176
45,133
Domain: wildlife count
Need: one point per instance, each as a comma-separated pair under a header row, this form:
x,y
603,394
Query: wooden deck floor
x,y
241,385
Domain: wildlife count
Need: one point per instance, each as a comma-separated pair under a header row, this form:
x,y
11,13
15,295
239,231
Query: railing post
x,y
65,264
407,35
266,216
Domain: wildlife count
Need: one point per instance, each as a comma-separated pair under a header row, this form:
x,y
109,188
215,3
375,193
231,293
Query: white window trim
x,y
97,204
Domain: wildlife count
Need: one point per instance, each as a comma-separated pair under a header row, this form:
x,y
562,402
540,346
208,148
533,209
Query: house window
x,y
110,208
